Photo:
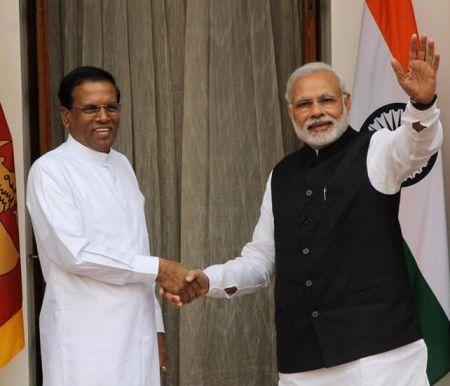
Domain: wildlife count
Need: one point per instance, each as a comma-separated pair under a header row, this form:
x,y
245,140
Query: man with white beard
x,y
329,233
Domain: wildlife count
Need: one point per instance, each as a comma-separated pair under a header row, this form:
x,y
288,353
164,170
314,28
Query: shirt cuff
x,y
425,117
145,268
215,277
159,322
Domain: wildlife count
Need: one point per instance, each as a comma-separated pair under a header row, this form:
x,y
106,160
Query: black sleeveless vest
x,y
342,289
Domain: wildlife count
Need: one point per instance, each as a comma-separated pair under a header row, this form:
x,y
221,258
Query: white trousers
x,y
403,366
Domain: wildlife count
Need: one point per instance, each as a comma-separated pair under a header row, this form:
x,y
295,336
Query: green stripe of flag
x,y
433,321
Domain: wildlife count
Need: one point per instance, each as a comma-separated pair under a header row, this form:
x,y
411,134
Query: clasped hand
x,y
179,285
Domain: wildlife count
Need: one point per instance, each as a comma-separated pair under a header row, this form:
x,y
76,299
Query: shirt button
x,y
314,314
306,221
308,192
305,251
308,283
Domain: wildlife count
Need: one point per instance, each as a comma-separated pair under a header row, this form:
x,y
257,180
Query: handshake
x,y
179,285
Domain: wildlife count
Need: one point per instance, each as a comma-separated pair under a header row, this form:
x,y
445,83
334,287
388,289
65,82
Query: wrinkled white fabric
x,y
100,315
403,366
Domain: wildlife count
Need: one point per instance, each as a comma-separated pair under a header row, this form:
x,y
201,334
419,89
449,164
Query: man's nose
x,y
316,109
102,115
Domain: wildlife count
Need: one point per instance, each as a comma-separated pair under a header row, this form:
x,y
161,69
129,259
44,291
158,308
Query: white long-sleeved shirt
x,y
391,158
100,315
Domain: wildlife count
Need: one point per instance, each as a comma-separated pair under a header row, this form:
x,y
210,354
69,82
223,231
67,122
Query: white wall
x,y
16,373
431,17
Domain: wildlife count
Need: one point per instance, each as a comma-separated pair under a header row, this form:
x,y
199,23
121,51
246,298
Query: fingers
x,y
201,281
192,275
398,69
430,52
197,288
187,295
423,48
180,286
174,300
413,47
422,54
437,59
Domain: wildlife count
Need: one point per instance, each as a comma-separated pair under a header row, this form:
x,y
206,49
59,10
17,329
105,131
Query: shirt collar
x,y
82,152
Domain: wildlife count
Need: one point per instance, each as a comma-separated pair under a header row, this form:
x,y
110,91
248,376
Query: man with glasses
x,y
329,233
100,317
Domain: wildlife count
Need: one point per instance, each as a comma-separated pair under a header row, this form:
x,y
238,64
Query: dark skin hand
x,y
198,285
162,350
171,277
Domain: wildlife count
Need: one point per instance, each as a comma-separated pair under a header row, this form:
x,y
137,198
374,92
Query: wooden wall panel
x,y
116,59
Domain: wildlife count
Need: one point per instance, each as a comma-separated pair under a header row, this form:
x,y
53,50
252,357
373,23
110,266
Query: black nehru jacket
x,y
342,289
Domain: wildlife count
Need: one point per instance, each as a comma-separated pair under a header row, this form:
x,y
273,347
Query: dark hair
x,y
80,75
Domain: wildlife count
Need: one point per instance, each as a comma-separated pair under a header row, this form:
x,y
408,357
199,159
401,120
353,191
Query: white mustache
x,y
318,121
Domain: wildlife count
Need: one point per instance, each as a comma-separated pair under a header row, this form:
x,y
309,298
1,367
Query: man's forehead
x,y
317,83
93,87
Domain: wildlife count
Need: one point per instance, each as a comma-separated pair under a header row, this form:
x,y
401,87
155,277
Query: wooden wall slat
x,y
145,144
176,27
92,33
167,163
267,106
71,22
195,183
287,41
116,59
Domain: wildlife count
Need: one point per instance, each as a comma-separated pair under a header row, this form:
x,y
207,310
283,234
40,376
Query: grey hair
x,y
310,68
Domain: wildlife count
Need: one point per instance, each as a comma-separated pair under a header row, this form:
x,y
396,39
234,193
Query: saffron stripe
x,y
395,19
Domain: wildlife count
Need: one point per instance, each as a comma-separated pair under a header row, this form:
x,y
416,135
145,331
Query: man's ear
x,y
290,112
64,113
348,100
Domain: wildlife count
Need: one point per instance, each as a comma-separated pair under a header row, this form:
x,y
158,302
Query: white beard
x,y
321,139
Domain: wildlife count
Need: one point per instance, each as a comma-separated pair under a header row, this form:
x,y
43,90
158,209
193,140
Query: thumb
x,y
161,291
192,275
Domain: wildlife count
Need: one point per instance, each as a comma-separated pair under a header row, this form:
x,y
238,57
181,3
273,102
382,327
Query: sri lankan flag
x,y
11,322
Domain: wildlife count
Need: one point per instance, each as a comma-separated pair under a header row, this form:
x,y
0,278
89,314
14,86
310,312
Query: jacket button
x,y
308,283
305,251
314,314
309,192
306,221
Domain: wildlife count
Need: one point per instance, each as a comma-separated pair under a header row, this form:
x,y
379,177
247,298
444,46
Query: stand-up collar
x,y
82,152
333,148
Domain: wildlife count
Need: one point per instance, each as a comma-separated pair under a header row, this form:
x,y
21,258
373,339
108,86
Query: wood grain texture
x,y
116,59
286,17
92,33
195,184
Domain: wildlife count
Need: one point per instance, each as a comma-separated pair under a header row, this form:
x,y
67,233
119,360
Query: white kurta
x,y
391,158
100,315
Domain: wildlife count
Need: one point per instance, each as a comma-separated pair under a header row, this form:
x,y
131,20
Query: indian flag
x,y
11,321
378,101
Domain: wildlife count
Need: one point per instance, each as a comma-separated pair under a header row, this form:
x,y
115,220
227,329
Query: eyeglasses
x,y
326,101
110,108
